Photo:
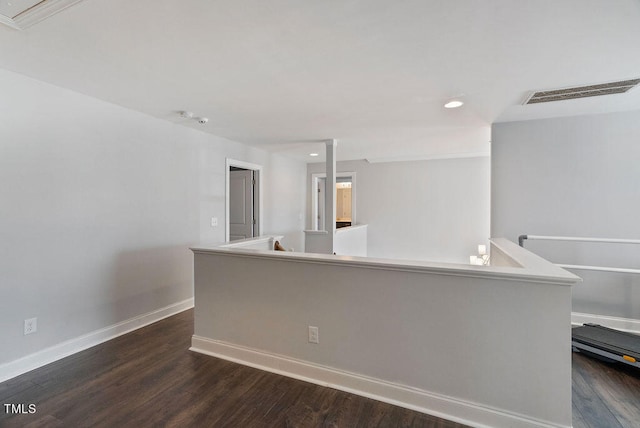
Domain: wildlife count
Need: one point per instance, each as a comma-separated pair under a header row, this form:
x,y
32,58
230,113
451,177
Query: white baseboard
x,y
438,405
623,324
41,358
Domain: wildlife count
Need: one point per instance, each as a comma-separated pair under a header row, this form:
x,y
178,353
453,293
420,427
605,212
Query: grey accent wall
x,y
422,210
99,205
448,338
576,176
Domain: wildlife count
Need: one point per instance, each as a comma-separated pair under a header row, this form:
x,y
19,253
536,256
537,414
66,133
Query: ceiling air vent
x,y
20,14
581,92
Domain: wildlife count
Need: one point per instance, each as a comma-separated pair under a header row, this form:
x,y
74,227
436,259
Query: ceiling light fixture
x,y
453,104
313,154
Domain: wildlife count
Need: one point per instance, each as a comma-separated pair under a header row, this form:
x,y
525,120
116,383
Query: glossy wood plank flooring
x,y
605,395
149,378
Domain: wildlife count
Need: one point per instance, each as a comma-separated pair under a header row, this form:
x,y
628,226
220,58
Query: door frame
x,y
257,175
314,199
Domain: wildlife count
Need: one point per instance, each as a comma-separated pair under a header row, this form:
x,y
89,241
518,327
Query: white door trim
x,y
314,198
258,177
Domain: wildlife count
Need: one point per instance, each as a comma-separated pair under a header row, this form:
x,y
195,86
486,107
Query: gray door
x,y
241,218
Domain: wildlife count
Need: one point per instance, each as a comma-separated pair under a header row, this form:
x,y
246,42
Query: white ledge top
x,y
350,228
338,230
532,267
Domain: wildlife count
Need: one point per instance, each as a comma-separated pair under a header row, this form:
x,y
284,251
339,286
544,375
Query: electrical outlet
x,y
30,326
314,335
214,221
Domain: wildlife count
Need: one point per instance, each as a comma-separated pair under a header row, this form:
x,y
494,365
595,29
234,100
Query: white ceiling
x,y
286,74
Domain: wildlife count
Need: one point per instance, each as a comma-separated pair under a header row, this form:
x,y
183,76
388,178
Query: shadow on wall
x,y
148,279
617,294
601,292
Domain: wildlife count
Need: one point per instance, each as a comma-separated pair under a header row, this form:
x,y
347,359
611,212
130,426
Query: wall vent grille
x,y
581,91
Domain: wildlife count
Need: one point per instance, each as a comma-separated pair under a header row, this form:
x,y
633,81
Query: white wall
x,y
459,341
421,210
284,202
577,176
99,204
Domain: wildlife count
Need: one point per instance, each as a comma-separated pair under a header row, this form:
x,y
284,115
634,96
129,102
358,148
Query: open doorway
x,y
243,200
345,200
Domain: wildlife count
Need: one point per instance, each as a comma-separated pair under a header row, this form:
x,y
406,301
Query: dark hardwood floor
x,y
149,378
604,394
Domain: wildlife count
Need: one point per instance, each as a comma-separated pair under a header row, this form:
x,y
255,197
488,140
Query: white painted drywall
x,y
577,176
99,204
351,241
421,210
284,199
473,337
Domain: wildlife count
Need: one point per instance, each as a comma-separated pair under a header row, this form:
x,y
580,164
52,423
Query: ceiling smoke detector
x,y
546,96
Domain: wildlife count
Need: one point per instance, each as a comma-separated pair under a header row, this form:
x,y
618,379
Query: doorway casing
x,y
315,209
257,169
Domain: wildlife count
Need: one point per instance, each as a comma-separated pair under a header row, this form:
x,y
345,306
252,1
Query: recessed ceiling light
x,y
313,154
453,104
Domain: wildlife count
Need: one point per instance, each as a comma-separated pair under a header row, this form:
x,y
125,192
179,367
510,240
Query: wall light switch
x,y
30,326
314,336
214,221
